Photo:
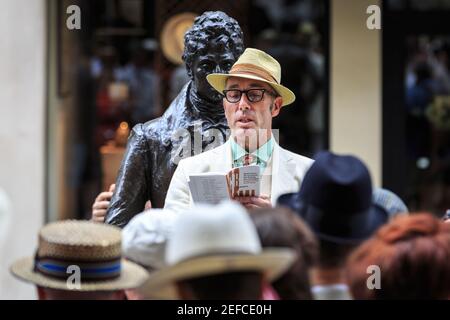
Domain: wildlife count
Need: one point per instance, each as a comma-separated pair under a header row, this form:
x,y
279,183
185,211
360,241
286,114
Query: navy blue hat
x,y
335,199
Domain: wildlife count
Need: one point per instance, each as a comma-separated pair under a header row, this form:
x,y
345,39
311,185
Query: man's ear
x,y
276,106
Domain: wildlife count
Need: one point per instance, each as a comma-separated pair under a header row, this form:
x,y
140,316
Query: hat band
x,y
338,228
246,68
88,270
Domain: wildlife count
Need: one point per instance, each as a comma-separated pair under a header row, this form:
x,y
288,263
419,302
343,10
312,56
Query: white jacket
x,y
288,170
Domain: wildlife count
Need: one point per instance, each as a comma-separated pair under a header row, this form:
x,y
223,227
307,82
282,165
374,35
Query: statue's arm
x,y
132,183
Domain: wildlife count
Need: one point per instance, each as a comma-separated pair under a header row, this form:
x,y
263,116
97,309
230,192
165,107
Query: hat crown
x,y
337,185
145,237
212,230
256,65
260,60
79,240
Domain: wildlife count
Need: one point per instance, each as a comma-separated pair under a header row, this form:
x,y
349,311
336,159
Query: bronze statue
x,y
193,123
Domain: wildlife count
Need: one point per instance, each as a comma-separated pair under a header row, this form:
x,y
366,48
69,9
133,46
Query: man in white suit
x,y
253,95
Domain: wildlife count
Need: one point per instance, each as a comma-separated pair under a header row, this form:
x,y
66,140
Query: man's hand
x,y
101,204
255,202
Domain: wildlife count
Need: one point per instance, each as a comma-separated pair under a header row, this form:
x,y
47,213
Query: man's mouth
x,y
244,120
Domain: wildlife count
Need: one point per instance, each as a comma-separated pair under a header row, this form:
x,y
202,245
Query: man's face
x,y
248,119
217,60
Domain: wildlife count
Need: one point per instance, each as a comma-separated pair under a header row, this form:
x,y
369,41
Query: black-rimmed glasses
x,y
253,95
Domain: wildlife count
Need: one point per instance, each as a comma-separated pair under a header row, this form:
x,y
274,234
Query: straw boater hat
x,y
208,240
95,248
257,65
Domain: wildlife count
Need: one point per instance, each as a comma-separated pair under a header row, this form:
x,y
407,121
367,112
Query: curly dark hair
x,y
413,256
212,25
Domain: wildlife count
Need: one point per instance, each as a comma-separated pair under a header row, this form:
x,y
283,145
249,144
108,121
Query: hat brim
x,y
219,80
289,200
131,276
375,214
272,262
358,228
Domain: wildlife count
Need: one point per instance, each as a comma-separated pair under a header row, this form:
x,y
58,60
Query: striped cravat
x,y
248,159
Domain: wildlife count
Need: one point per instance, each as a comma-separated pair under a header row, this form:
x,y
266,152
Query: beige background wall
x,y
355,70
22,132
59,199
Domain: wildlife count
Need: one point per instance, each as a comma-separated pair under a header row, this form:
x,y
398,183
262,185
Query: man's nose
x,y
243,103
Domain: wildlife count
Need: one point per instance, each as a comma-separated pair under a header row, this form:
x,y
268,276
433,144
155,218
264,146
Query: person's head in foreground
x,y
253,95
280,227
215,253
335,200
411,255
79,260
144,241
383,199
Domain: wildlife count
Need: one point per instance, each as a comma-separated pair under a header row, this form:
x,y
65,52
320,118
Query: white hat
x,y
145,237
208,240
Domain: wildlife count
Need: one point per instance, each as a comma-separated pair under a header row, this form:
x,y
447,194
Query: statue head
x,y
212,45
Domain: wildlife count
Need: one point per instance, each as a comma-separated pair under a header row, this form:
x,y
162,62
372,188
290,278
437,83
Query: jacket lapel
x,y
284,178
221,158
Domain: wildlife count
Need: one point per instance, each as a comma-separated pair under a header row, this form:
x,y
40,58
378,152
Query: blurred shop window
x,y
116,85
295,33
127,92
427,96
418,5
178,80
143,82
